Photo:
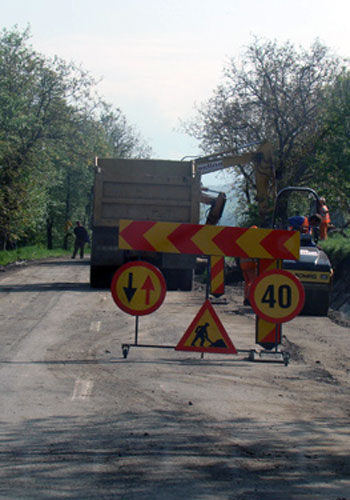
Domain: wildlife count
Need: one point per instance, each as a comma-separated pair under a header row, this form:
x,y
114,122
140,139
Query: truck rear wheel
x,y
186,280
316,303
101,276
178,279
94,277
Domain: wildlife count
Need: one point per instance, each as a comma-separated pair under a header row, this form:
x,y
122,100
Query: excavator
x,y
313,267
261,158
265,179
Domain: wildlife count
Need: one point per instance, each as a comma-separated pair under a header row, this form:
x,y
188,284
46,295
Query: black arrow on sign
x,y
129,290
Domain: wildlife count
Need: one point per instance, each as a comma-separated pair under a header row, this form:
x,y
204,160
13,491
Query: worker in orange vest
x,y
304,224
326,219
249,269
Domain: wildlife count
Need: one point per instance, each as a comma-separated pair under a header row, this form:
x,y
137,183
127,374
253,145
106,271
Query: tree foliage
x,y
52,125
331,163
122,139
274,93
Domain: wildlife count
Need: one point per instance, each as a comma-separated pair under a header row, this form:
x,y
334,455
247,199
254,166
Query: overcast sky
x,y
158,58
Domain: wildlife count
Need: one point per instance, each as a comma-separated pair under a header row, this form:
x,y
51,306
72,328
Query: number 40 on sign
x,y
277,296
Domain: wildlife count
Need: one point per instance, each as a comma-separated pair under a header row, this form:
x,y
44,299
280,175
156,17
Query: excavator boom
x,y
262,160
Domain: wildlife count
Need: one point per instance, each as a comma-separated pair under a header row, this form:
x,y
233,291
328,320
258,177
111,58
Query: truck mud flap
x,y
101,276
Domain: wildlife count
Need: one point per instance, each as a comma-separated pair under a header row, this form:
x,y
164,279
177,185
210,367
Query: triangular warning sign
x,y
206,333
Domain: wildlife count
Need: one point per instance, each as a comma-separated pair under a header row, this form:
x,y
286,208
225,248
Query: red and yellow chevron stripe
x,y
217,279
198,239
267,334
267,265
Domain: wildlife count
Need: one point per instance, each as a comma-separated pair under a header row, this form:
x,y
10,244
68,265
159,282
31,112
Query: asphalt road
x,y
79,421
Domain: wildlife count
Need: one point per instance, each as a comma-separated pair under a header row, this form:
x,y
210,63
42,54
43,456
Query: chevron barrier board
x,y
198,239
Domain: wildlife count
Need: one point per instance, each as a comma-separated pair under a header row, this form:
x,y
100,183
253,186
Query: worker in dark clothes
x,y
81,237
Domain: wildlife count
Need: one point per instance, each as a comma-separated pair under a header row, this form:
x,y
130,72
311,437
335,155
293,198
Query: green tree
x,y
274,93
122,139
105,134
331,163
52,125
41,101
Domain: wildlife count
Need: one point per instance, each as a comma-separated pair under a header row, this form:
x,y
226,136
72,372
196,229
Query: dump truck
x,y
150,190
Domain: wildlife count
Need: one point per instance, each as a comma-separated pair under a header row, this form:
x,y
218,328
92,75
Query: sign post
x,y
138,288
276,296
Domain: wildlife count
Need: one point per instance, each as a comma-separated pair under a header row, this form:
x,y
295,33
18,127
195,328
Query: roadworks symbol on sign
x,y
206,333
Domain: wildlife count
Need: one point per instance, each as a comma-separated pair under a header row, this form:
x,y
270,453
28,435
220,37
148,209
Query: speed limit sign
x,y
277,296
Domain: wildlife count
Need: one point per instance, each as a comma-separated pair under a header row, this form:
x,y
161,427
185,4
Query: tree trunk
x,y
49,226
67,211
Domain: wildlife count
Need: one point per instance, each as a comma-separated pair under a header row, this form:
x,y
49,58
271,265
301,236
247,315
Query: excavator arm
x,y
217,205
262,160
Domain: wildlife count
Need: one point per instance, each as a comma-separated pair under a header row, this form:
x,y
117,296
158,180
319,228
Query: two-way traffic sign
x,y
138,288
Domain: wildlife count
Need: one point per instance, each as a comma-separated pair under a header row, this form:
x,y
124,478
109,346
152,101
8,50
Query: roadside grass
x,y
337,247
30,253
